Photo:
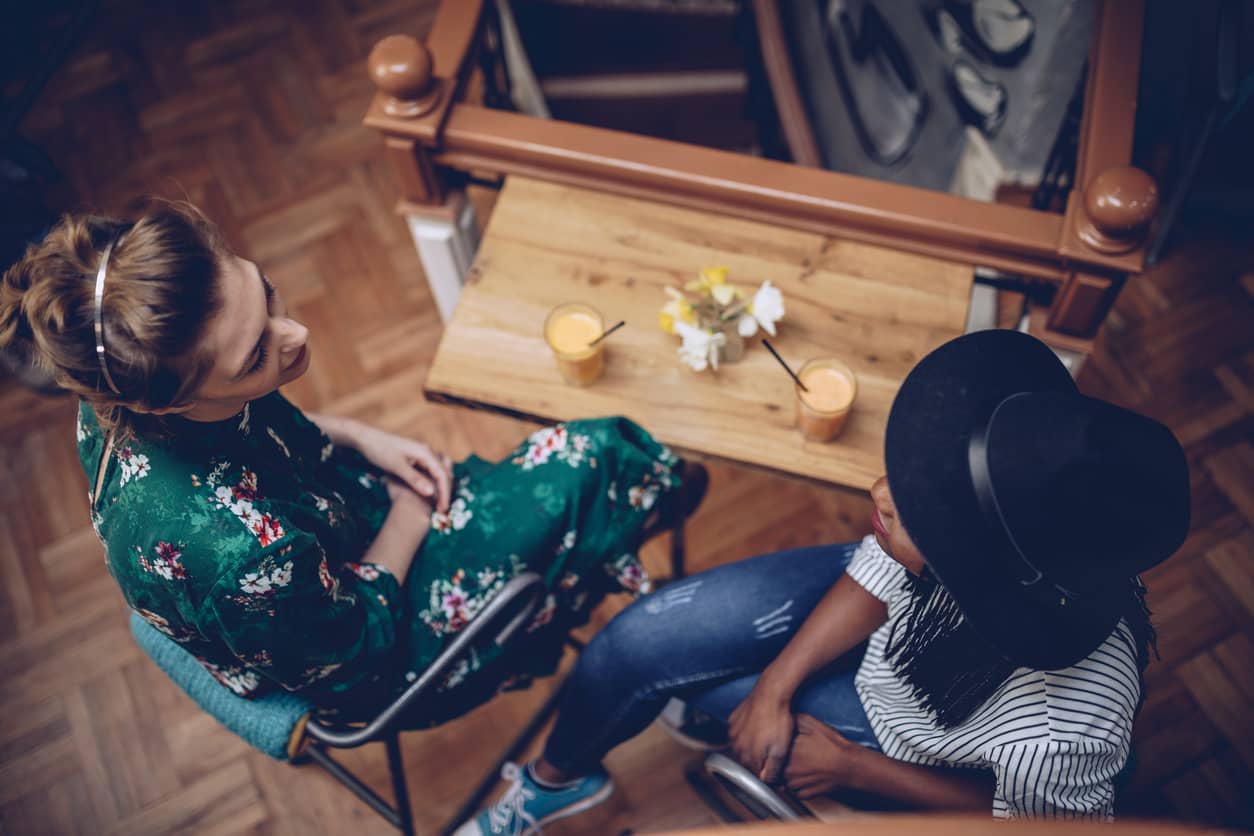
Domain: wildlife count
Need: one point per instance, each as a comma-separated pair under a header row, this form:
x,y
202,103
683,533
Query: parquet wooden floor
x,y
251,110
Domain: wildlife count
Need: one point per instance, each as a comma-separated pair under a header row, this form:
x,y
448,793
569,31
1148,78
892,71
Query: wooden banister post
x,y
1082,302
1112,216
401,68
1117,209
441,221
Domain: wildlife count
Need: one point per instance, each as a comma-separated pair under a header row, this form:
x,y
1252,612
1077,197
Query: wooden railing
x,y
433,139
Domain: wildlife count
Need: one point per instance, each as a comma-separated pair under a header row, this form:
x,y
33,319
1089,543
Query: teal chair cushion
x,y
269,723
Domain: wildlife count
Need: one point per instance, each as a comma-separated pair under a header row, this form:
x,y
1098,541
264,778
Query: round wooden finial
x,y
1118,207
400,67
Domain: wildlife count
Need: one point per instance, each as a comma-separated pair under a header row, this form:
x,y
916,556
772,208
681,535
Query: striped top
x,y
1054,740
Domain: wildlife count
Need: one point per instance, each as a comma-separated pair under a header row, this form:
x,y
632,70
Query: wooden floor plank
x,y
1233,472
1222,689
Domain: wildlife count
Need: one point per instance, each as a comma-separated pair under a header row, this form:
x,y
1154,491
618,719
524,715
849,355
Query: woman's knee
x,y
631,646
600,661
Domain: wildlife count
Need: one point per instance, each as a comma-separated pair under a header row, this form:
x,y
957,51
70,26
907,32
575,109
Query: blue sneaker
x,y
526,806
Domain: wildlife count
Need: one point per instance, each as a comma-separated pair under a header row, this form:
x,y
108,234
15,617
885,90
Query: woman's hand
x,y
821,760
761,731
406,526
408,506
423,470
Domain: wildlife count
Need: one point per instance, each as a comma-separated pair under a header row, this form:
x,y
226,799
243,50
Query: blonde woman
x,y
296,551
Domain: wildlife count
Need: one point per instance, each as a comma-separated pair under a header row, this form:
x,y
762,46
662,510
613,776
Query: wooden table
x,y
879,310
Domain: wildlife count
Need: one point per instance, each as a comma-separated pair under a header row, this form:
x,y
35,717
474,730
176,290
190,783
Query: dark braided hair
x,y
953,670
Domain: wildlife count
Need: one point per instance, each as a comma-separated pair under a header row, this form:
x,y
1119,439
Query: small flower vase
x,y
732,350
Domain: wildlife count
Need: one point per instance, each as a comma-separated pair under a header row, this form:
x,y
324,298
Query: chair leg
x,y
370,797
473,802
678,554
400,788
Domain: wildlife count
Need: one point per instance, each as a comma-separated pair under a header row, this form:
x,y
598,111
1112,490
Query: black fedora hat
x,y
1033,504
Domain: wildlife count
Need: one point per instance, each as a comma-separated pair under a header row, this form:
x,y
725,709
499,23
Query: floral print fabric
x,y
244,541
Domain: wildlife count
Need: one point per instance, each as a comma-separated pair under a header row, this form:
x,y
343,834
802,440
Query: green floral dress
x,y
243,540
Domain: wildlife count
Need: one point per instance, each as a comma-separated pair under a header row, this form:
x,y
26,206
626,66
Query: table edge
x,y
438,396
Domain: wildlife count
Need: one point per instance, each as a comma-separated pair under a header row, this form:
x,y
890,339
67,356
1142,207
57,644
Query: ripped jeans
x,y
705,639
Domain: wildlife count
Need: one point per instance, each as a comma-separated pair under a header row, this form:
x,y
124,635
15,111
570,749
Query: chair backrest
x,y
273,723
277,722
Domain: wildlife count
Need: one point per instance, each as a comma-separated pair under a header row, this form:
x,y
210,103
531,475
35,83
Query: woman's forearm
x,y
341,431
397,542
843,618
928,787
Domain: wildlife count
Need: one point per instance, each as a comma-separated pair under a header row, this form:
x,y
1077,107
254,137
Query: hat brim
x,y
945,398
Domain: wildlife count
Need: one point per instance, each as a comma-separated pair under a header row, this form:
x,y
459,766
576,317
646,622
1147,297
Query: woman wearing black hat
x,y
1004,624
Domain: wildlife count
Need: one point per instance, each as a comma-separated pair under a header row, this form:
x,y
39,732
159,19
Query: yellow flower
x,y
676,310
708,279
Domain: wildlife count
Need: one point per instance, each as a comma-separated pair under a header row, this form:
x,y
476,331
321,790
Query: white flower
x,y
766,309
240,680
215,475
456,676
459,515
642,496
365,571
310,675
255,583
134,466
536,456
456,518
700,347
282,576
724,294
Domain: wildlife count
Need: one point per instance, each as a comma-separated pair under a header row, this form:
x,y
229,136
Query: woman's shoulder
x,y
875,571
210,504
1097,697
178,545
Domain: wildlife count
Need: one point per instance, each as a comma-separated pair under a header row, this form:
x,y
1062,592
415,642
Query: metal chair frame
x,y
514,605
718,771
766,803
529,588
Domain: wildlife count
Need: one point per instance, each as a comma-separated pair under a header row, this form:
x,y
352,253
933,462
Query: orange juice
x,y
569,330
824,408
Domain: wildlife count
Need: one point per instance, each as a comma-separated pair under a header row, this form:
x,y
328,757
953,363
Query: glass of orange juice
x,y
823,410
569,329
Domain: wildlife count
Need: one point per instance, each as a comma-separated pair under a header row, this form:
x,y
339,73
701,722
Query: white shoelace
x,y
511,810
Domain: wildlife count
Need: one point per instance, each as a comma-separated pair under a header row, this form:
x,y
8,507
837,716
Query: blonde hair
x,y
160,292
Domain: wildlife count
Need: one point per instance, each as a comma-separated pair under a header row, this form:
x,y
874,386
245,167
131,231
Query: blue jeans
x,y
705,639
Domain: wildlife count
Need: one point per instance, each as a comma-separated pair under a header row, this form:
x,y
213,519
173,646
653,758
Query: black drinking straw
x,y
614,328
791,373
